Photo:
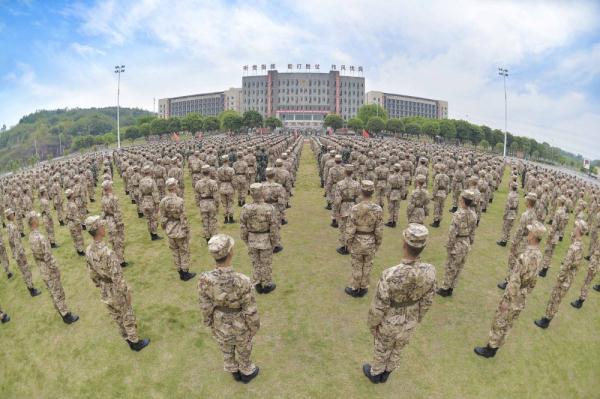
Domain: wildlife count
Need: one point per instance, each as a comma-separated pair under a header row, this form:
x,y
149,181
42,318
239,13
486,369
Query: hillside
x,y
55,132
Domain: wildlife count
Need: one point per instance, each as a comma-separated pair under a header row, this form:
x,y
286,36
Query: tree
x,y
375,125
232,122
159,126
333,121
462,130
447,129
499,148
431,127
413,129
366,112
174,124
211,123
394,125
273,122
355,124
192,122
475,133
252,119
133,132
484,144
3,128
145,129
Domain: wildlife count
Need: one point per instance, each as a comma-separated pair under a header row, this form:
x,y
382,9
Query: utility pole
x,y
504,73
118,71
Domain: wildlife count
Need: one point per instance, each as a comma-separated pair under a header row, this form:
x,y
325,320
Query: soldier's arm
x,y
351,227
243,227
273,227
249,309
163,218
379,229
206,305
426,302
381,302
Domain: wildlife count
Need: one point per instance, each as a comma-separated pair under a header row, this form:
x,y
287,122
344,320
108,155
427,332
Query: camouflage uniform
x,y
229,309
73,218
240,179
458,184
334,176
441,183
259,231
519,241
365,234
346,193
382,173
395,187
403,297
57,199
4,257
559,222
111,214
47,217
150,199
262,160
174,222
418,204
207,200
510,214
225,176
593,268
18,252
275,195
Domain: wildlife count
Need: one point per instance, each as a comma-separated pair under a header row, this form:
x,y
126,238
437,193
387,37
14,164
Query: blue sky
x,y
56,54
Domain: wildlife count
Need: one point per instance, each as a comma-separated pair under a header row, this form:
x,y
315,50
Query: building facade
x,y
303,99
206,104
401,106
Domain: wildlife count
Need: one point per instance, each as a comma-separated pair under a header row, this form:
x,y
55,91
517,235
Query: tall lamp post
x,y
504,73
119,70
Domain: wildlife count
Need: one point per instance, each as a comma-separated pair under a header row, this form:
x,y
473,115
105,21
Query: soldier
x,y
365,233
559,223
149,199
74,222
195,165
16,247
262,160
460,240
259,231
174,222
106,274
111,214
334,175
42,253
521,282
418,204
283,177
458,184
4,256
403,297
346,193
593,268
160,173
229,310
511,210
441,183
47,216
423,169
395,193
225,175
176,173
240,179
382,173
275,195
568,269
519,241
56,192
207,200
251,162
4,317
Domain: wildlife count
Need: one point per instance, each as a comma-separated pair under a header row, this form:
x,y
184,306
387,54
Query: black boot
x,y
384,376
277,249
70,318
353,293
22,235
124,264
588,258
247,378
138,346
258,288
550,222
5,318
502,285
577,304
92,200
362,292
486,351
268,288
484,210
53,245
390,224
61,223
543,272
328,207
435,224
542,323
284,222
444,292
83,227
34,292
237,376
375,379
80,253
226,220
454,208
9,275
133,201
502,243
560,238
491,199
334,224
231,220
186,275
140,215
343,251
596,287
155,237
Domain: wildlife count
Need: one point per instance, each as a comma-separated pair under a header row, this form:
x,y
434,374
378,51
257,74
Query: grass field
x,y
313,339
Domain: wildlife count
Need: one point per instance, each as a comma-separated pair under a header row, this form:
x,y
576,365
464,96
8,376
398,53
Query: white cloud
x,y
86,51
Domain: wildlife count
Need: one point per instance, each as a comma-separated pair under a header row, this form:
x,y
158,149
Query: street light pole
x,y
118,71
504,73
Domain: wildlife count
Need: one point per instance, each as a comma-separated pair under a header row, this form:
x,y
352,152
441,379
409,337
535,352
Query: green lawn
x,y
313,339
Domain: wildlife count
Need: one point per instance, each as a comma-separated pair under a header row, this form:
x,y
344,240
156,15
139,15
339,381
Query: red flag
x,y
175,137
365,134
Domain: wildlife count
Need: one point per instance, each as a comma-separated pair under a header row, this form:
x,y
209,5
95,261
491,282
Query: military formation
x,y
364,181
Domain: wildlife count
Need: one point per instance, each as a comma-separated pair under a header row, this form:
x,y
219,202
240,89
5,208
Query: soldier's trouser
x,y
262,261
60,214
252,177
181,252
455,194
548,253
227,201
438,208
75,230
506,314
393,209
57,293
386,354
593,238
4,258
121,312
209,223
241,186
161,189
361,270
236,357
380,192
21,260
589,277
91,193
151,215
507,225
563,283
455,262
342,225
49,225
19,223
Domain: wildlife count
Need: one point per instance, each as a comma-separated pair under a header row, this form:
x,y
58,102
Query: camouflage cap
x,y
42,189
205,168
270,172
93,223
68,192
468,195
397,166
9,212
220,245
256,189
224,158
367,185
146,169
473,180
278,162
538,229
107,184
349,167
514,185
415,235
170,183
531,196
581,225
562,199
420,179
338,157
33,215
